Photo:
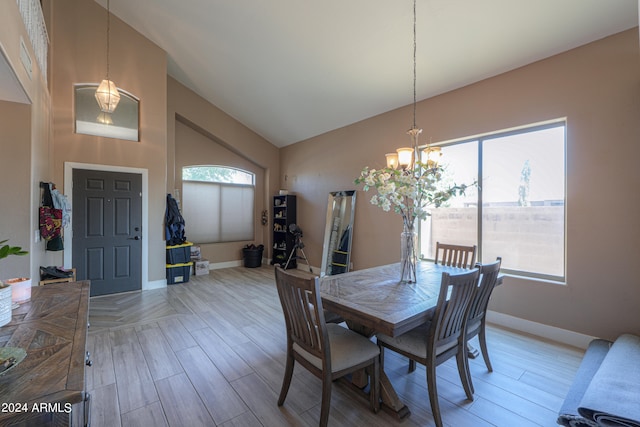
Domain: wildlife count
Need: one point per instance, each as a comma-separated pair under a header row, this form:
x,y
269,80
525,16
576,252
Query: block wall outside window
x,y
517,211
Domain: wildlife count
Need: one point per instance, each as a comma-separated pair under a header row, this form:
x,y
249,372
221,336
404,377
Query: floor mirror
x,y
336,250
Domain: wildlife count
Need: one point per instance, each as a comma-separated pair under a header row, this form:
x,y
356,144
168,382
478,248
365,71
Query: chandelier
x,y
407,157
107,93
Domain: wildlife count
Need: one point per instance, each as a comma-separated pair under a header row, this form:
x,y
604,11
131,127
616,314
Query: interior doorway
x,y
107,230
108,243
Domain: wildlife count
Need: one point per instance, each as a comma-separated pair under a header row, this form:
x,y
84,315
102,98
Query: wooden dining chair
x,y
442,338
455,255
477,315
327,350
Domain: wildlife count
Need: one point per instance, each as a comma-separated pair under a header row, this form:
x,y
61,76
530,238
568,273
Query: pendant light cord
x,y
109,36
414,63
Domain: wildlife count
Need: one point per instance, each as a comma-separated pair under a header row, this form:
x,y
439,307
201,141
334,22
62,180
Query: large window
x,y
218,204
518,209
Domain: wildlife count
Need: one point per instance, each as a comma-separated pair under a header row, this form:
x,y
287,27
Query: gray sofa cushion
x,y
613,395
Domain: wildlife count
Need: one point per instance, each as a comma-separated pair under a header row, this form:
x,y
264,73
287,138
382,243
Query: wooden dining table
x,y
375,301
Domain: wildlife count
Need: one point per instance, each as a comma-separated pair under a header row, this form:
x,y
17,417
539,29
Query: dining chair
x,y
442,338
477,312
327,350
477,315
455,255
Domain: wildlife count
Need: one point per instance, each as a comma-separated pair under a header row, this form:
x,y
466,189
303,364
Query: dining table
x,y
373,300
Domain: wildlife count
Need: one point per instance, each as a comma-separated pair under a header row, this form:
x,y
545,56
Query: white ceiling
x,y
293,69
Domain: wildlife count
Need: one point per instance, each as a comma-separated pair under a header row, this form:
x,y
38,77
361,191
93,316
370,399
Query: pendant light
x,y
406,157
107,93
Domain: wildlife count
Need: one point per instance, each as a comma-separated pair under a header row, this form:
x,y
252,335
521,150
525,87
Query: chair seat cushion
x,y
414,341
348,349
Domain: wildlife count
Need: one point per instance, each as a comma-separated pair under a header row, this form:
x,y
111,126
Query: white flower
x,y
384,177
387,188
408,192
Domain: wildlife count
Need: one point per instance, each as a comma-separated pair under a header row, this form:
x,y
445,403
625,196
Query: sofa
x,y
606,389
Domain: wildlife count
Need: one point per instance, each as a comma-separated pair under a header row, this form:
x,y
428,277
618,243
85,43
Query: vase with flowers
x,y
409,191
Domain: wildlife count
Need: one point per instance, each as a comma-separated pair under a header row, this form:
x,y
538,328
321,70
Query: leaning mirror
x,y
336,251
123,123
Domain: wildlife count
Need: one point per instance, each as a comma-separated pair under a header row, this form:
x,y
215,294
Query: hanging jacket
x,y
60,201
174,223
50,221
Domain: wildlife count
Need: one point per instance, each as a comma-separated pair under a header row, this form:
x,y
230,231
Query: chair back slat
x,y
447,325
489,273
303,314
455,255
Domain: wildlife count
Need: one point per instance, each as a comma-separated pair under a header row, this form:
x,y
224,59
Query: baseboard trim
x,y
156,284
565,336
226,264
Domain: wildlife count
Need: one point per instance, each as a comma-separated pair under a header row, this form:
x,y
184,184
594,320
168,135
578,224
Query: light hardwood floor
x,y
211,352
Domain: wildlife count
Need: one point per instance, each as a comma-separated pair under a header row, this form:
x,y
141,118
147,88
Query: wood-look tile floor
x,y
211,352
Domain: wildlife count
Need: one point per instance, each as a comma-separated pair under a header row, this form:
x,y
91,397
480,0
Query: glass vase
x,y
408,254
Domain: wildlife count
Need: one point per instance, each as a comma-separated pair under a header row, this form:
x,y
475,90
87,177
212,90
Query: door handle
x,y
134,238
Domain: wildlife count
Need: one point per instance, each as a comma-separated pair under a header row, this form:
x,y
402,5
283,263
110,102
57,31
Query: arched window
x,y
218,204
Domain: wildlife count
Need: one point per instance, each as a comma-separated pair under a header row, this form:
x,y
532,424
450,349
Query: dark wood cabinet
x,y
48,387
284,214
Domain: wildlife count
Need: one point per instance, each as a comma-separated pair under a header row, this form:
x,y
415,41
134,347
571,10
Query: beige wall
x,y
195,148
24,149
15,145
222,136
597,88
136,65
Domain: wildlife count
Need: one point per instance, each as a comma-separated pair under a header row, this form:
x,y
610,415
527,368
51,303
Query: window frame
x,y
222,185
479,140
244,171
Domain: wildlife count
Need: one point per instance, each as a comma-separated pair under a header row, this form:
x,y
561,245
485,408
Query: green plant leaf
x,y
7,250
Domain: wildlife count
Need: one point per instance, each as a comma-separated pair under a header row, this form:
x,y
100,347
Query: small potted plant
x,y
5,290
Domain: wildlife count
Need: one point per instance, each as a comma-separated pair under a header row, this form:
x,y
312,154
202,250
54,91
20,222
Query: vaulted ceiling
x,y
293,69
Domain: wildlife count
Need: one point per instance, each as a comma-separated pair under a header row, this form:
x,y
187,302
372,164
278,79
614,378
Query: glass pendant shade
x,y
392,160
405,155
104,118
433,156
107,96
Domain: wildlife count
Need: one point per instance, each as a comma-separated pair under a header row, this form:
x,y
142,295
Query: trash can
x,y
252,255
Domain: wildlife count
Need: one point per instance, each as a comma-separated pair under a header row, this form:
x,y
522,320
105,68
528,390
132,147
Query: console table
x,y
48,387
